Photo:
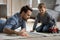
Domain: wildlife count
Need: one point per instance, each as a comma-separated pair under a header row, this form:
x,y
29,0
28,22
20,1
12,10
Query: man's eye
x,y
28,14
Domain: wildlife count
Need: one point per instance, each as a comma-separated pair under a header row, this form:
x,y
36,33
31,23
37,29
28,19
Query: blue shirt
x,y
14,22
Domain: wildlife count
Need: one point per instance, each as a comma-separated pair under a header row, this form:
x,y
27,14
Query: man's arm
x,y
8,25
9,31
20,33
23,29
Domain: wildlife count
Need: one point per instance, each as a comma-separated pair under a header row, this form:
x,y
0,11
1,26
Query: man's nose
x,y
28,16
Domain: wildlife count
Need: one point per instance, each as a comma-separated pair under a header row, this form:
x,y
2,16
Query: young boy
x,y
47,20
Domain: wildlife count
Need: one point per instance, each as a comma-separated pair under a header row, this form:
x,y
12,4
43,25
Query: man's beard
x,y
25,19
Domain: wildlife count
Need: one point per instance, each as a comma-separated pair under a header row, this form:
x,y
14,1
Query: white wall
x,y
2,1
3,8
14,6
17,4
57,8
9,10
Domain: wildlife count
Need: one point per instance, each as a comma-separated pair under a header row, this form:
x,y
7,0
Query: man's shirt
x,y
15,22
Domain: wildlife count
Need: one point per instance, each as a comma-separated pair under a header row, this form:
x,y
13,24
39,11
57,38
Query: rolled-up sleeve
x,y
10,23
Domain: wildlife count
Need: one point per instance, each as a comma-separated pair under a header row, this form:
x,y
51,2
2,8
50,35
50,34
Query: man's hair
x,y
41,5
25,9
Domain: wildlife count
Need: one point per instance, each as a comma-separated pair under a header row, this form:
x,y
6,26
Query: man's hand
x,y
22,33
25,34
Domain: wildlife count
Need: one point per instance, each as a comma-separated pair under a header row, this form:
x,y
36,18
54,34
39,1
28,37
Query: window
x,y
34,3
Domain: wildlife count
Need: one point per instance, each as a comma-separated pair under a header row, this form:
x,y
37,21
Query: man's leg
x,y
1,28
2,22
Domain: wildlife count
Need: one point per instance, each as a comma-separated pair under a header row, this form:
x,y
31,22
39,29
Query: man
x,y
18,20
47,20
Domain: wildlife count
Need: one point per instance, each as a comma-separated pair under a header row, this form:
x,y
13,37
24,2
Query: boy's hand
x,y
32,31
54,29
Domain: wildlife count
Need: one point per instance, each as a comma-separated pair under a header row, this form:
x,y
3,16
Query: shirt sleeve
x,y
52,20
10,23
35,23
23,24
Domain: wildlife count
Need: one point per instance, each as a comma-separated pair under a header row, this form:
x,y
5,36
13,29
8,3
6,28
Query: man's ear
x,y
23,13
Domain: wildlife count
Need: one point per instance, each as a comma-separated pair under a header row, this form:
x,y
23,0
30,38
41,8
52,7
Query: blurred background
x,y
10,7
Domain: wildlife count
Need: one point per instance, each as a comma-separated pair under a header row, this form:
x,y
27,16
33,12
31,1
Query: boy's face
x,y
42,10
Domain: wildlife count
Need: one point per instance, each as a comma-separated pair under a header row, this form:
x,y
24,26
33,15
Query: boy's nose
x,y
41,11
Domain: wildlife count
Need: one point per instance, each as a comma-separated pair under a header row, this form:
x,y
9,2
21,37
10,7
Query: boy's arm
x,y
52,20
35,24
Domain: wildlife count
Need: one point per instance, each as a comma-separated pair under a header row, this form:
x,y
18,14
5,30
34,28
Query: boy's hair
x,y
41,5
25,9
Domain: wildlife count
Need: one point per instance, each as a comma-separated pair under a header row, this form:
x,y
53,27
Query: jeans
x,y
44,28
2,22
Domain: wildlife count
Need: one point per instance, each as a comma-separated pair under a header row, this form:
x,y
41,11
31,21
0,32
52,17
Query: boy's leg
x,y
39,29
47,27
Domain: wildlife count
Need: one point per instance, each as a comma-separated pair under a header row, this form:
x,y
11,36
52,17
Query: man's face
x,y
27,15
42,10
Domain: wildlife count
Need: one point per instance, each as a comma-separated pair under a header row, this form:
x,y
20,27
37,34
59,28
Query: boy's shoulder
x,y
38,14
47,14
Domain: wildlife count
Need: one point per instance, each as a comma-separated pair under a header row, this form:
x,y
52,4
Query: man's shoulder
x,y
16,14
14,17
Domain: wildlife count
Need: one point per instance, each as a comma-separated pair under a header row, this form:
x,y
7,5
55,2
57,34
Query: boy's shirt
x,y
46,19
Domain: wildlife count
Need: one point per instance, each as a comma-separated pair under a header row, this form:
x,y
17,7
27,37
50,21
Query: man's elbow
x,y
6,30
